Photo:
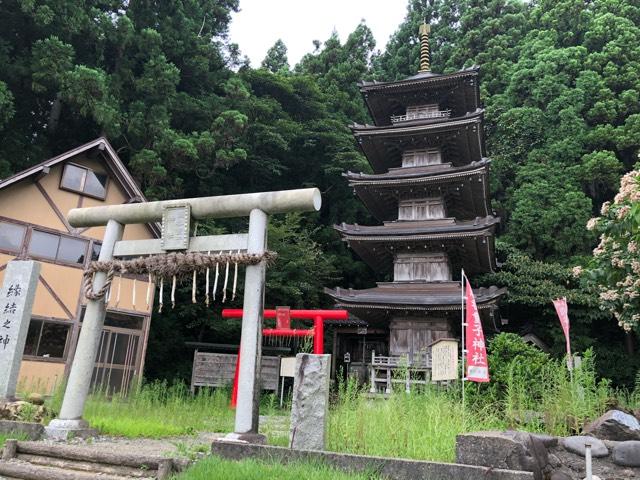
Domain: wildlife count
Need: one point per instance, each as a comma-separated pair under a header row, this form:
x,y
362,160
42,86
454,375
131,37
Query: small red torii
x,y
283,316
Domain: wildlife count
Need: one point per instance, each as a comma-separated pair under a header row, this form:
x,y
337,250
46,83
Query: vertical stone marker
x,y
310,404
16,301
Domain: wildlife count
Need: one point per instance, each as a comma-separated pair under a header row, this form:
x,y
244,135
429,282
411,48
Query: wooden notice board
x,y
444,359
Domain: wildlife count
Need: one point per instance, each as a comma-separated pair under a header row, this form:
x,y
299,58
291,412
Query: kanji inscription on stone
x,y
175,227
16,301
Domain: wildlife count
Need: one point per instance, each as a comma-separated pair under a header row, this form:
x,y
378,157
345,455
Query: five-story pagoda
x,y
430,190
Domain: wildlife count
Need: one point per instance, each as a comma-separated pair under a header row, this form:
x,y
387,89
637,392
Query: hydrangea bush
x,y
615,268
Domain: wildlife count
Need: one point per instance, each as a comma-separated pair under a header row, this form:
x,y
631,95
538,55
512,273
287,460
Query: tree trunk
x,y
54,114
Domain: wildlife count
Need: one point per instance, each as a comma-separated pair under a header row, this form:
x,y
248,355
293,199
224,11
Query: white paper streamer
x,y
161,294
206,288
235,280
226,281
173,293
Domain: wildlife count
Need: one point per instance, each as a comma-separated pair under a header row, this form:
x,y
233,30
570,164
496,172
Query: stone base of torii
x,y
176,216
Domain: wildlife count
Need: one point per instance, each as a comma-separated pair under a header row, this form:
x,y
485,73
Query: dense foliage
x,y
560,80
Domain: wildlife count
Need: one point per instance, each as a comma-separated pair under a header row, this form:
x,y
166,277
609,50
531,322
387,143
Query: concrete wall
x,y
391,468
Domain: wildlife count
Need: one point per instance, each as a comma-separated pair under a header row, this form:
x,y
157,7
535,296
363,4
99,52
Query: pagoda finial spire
x,y
425,59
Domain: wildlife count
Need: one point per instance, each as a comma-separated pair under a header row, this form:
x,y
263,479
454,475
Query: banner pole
x,y
462,277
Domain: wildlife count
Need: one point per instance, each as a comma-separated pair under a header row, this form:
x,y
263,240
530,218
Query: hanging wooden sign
x,y
176,222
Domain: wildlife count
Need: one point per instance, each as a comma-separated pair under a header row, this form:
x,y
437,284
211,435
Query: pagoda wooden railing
x,y
420,115
384,371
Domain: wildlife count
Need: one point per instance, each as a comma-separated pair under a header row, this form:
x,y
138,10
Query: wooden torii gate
x,y
176,216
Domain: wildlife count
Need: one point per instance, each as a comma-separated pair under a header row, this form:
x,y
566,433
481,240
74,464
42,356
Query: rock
x,y
510,450
554,461
560,475
576,445
547,440
310,402
35,398
627,454
615,425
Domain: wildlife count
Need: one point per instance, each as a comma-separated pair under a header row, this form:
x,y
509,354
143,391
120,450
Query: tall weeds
x,y
159,410
421,425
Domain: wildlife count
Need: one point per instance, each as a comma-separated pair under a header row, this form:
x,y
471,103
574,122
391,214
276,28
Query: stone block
x,y
627,454
63,430
614,425
32,431
16,300
509,450
576,444
310,403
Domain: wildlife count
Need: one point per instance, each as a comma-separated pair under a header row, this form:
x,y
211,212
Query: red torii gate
x,y
283,316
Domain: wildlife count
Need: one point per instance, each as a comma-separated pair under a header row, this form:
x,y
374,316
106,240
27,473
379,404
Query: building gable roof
x,y
112,161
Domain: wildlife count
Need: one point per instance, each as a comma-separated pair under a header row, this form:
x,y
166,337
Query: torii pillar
x,y
176,216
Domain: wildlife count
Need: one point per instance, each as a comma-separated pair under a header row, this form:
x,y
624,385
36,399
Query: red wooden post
x,y
318,337
234,390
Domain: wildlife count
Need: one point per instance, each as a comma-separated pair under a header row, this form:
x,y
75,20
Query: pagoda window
x,y
421,209
429,267
421,158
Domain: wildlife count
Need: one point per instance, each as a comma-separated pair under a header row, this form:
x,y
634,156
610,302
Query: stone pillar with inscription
x,y
16,301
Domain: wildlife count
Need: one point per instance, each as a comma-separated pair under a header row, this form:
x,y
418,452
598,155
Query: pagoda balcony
x,y
420,116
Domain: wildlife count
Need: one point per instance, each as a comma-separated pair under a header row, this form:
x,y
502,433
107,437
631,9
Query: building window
x,y
421,209
421,158
84,180
11,236
47,339
429,267
57,247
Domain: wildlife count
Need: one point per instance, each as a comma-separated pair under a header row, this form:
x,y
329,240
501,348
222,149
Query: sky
x,y
298,22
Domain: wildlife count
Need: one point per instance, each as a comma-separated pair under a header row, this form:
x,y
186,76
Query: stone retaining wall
x,y
33,431
550,458
391,468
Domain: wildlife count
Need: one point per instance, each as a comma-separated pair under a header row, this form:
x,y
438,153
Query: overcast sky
x,y
298,22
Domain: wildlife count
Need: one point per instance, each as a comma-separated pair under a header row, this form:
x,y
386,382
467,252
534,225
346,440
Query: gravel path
x,y
189,446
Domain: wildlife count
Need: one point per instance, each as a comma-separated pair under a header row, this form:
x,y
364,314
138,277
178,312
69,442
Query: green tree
x,y
276,59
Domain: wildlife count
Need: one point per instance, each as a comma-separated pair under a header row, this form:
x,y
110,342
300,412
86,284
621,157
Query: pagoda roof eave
x,y
419,230
425,296
418,80
419,174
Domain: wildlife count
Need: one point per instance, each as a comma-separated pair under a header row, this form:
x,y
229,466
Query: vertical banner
x,y
477,365
562,310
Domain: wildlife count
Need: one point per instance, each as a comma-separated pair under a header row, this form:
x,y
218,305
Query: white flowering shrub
x,y
615,267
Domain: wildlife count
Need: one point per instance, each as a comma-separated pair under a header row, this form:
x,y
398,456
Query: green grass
x,y
158,410
11,436
421,425
217,468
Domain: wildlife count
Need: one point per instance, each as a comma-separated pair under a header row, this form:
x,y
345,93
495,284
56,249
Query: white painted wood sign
x,y
444,359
